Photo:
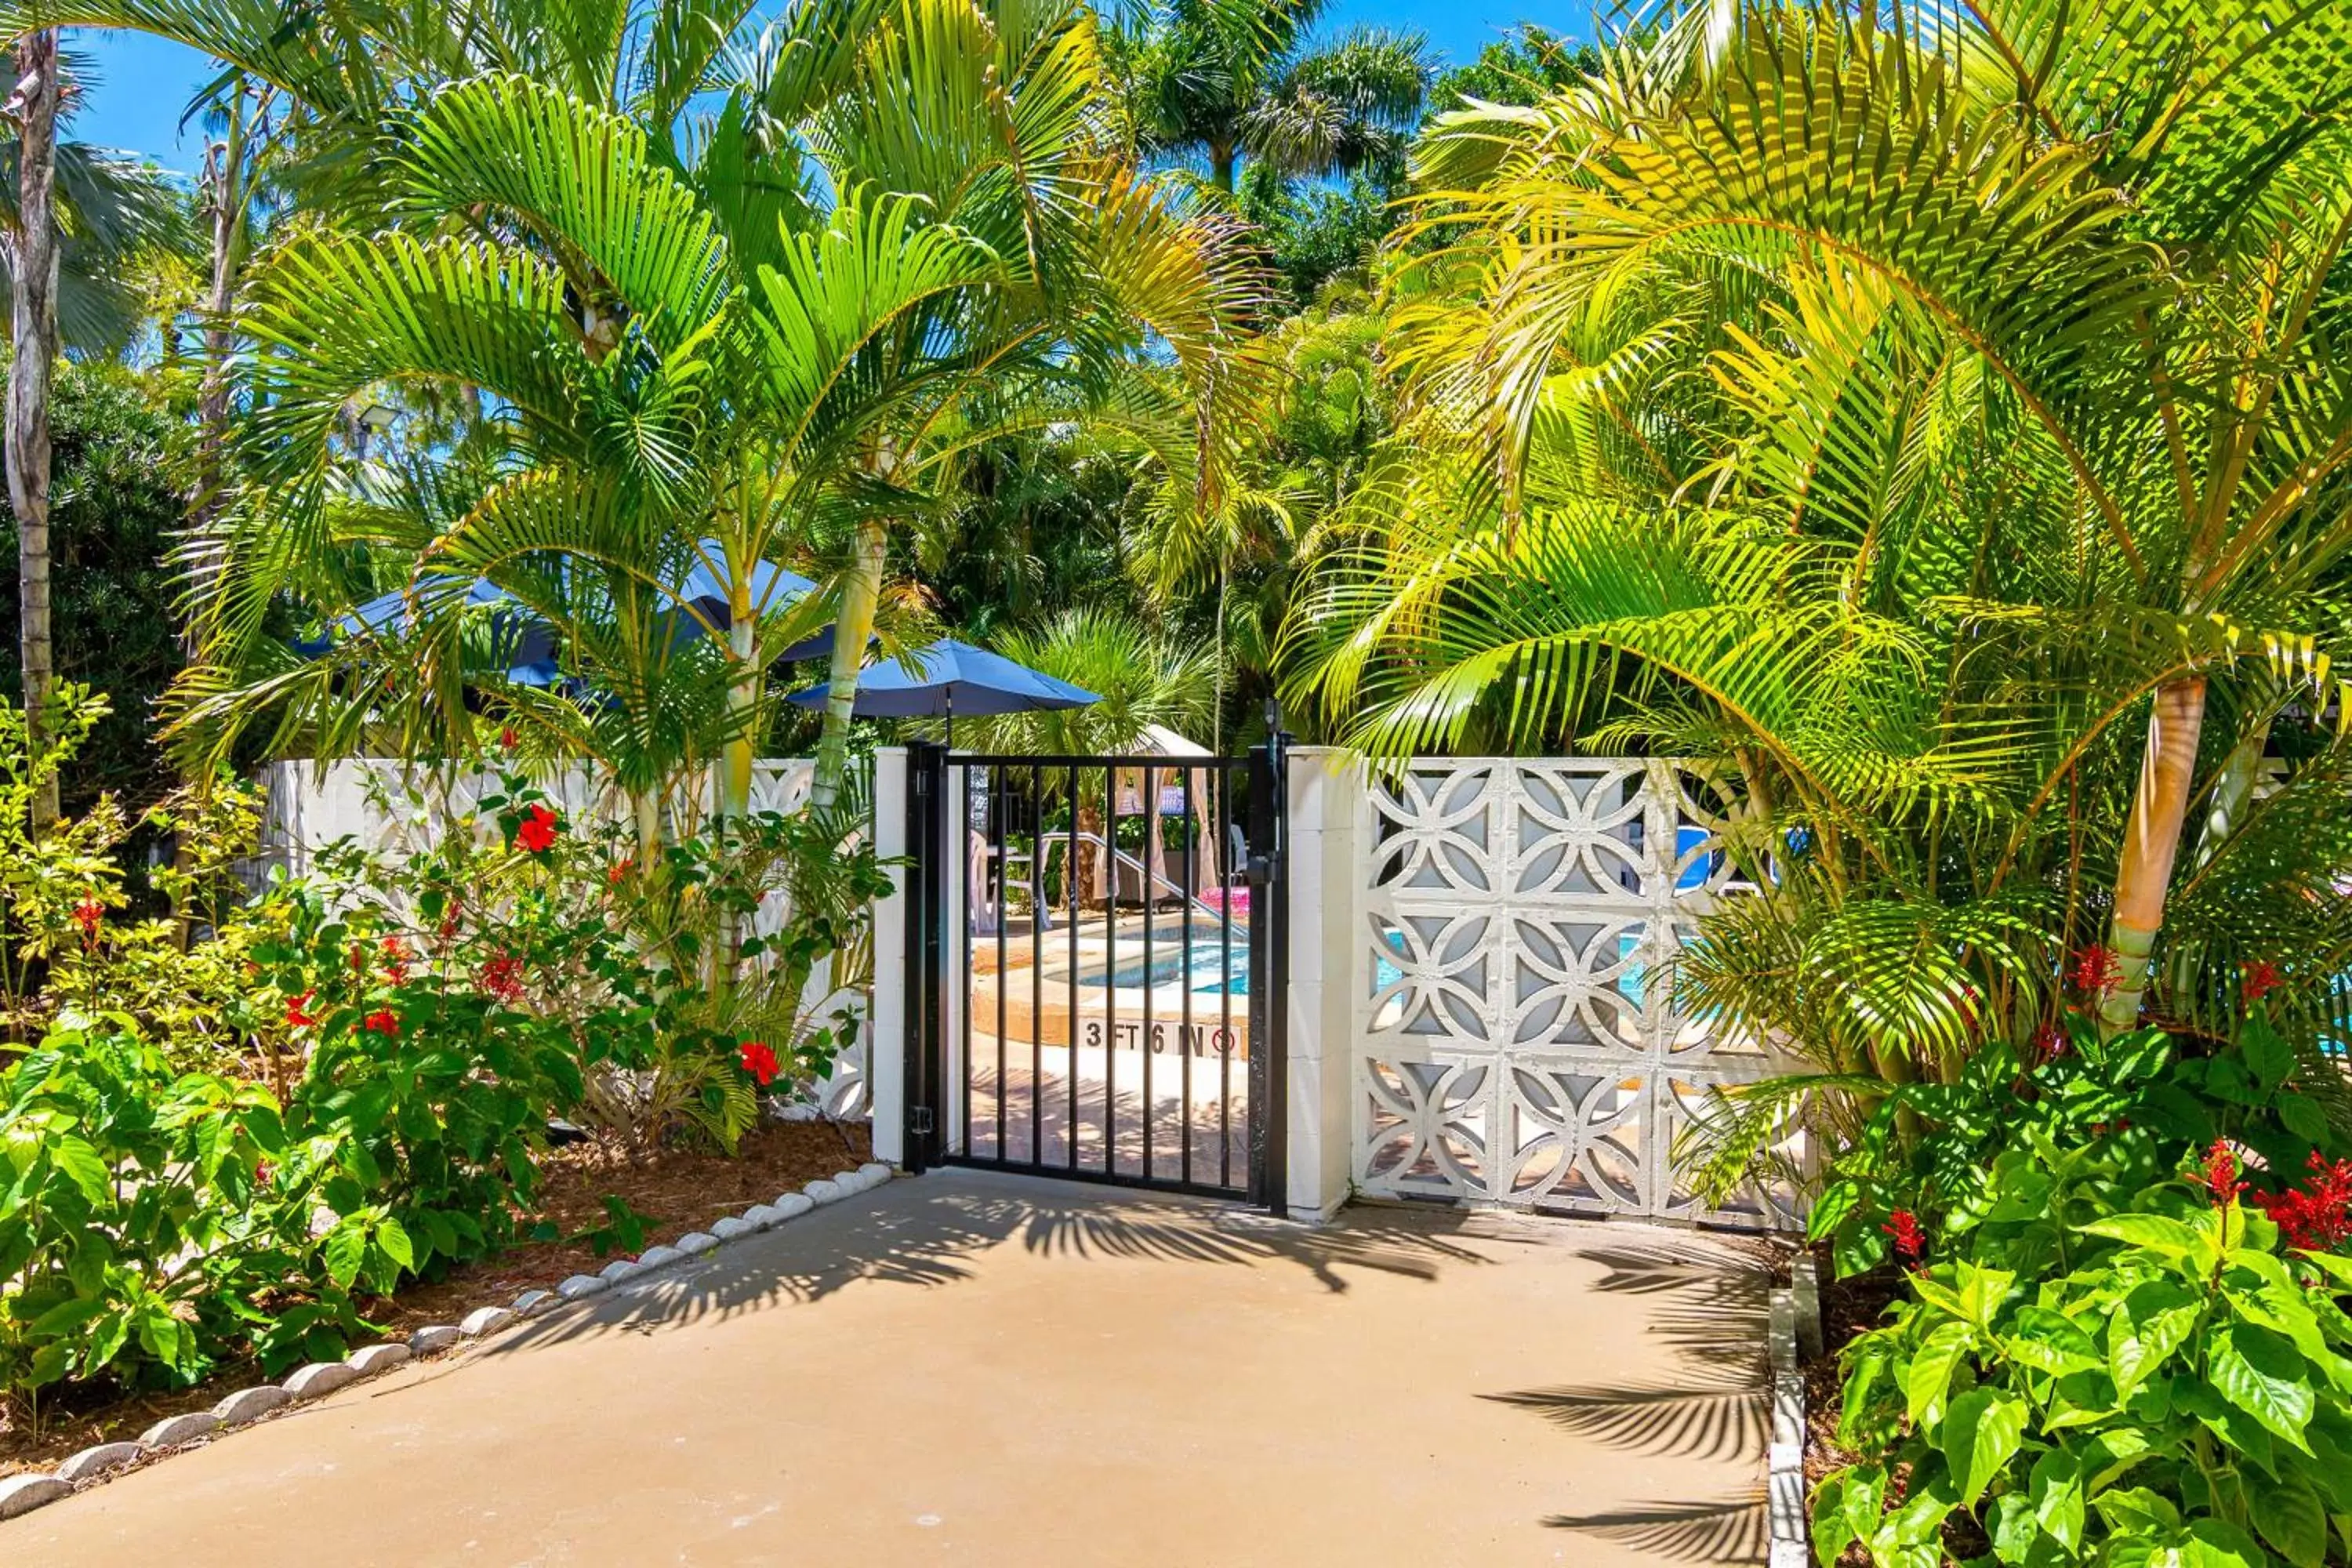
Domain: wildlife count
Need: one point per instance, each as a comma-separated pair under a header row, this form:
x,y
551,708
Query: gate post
x,y
892,1010
1269,1007
1329,812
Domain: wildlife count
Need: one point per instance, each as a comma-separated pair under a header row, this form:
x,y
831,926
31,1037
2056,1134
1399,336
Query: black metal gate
x,y
1096,966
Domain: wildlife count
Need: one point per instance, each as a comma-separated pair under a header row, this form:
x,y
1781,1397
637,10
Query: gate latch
x,y
1259,870
922,1118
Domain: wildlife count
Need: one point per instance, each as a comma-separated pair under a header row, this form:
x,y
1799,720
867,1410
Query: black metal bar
x,y
1226,781
1110,970
1070,1019
1036,971
1184,1029
1109,1179
1268,1062
1150,902
994,873
926,977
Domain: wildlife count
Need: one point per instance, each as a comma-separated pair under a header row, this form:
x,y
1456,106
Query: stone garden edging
x,y
95,1466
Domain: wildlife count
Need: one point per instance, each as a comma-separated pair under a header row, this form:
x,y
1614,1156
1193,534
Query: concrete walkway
x,y
995,1371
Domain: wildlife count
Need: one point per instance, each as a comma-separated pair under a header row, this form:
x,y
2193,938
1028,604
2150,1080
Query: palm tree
x,y
1937,430
1226,79
770,374
78,215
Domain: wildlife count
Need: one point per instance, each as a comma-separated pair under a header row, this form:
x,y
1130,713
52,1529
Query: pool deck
x,y
969,1368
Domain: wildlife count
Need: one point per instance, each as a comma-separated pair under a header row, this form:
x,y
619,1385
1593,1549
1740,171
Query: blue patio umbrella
x,y
528,642
948,678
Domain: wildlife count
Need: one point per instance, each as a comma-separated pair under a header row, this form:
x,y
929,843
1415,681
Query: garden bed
x,y
1849,1307
677,1192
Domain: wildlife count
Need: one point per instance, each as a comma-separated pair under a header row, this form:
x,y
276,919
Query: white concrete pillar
x,y
886,1040
1329,813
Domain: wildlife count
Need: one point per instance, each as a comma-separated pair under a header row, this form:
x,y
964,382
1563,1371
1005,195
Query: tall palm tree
x,y
1940,425
78,216
781,363
1228,79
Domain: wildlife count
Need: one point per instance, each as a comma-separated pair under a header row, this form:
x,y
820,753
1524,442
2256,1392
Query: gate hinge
x,y
922,1118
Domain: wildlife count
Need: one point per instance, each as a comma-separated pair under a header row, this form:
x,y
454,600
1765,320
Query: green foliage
x,y
1962,1155
2115,1368
116,501
1522,66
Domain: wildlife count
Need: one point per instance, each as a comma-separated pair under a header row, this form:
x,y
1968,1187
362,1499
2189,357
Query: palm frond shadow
x,y
1711,1310
1733,1531
928,1237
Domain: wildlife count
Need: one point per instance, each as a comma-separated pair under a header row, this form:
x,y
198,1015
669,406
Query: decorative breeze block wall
x,y
1517,1040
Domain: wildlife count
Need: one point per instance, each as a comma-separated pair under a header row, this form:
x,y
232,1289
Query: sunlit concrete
x,y
992,1370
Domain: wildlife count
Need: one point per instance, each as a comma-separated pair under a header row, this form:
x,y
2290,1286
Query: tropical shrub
x,y
2116,1367
1933,1152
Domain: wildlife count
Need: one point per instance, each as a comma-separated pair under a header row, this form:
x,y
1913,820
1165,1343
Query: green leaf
x,y
1930,1377
393,1240
2289,1515
1981,1433
84,1166
2299,1115
346,1252
2056,1489
2262,1374
2214,1544
1838,1201
2158,1232
2268,1056
1982,1290
2049,1341
2153,1321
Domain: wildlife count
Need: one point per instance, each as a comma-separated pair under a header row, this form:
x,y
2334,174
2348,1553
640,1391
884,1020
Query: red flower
x,y
1910,1242
296,1016
359,958
537,833
620,869
502,977
760,1062
450,920
2095,970
382,1021
2220,1175
396,959
2262,978
2319,1217
86,914
2049,1044
508,740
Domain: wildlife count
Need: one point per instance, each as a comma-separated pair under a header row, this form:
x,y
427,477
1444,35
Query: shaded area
x,y
1708,1307
936,1241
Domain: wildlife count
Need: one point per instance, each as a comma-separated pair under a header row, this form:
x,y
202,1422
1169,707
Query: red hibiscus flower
x,y
382,1021
760,1062
1910,1241
537,833
2262,978
297,1012
86,914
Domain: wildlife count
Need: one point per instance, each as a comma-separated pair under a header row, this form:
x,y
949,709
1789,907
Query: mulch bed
x,y
679,1191
1849,1307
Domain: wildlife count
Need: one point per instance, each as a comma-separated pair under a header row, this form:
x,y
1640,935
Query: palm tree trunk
x,y
2151,840
1221,165
735,757
35,338
859,595
224,187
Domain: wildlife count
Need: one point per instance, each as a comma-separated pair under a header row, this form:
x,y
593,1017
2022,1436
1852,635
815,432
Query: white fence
x,y
309,807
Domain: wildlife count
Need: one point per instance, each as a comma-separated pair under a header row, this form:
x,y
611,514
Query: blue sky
x,y
144,84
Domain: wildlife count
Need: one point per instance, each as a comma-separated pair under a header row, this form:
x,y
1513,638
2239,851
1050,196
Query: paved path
x,y
994,1371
